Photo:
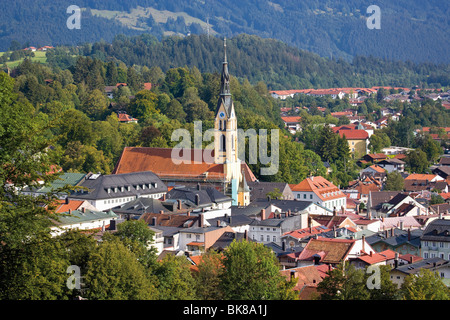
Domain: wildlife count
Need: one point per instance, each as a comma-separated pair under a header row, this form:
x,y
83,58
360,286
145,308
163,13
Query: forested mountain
x,y
410,29
278,65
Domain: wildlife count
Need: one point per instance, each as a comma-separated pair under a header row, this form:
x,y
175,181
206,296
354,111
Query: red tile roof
x,y
291,119
323,188
123,117
160,162
357,134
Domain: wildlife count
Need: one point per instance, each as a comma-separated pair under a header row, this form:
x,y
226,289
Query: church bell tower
x,y
226,139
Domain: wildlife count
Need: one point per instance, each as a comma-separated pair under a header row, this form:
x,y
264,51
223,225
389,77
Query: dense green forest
x,y
278,65
410,30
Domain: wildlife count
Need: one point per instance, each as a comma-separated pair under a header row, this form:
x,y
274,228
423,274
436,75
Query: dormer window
x,y
129,188
143,186
122,189
137,187
109,190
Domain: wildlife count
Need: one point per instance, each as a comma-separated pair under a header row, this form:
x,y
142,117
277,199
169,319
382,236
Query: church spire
x,y
225,78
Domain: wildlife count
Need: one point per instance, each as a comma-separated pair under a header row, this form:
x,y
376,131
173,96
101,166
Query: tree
x,y
417,161
275,194
175,279
344,282
378,141
143,105
207,276
327,148
251,272
95,104
114,273
425,285
394,182
111,74
175,111
32,265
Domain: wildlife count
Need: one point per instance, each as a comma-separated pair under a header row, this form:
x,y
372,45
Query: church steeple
x,y
225,78
226,139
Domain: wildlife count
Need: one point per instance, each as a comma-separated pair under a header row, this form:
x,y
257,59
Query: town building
x,y
435,240
107,191
320,191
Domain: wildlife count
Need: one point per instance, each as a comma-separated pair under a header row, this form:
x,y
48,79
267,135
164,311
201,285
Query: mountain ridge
x,y
410,30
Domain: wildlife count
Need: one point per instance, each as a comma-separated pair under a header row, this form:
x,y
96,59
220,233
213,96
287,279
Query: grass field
x,y
39,56
160,16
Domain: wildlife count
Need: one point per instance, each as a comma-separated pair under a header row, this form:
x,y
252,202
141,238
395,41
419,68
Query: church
x,y
227,173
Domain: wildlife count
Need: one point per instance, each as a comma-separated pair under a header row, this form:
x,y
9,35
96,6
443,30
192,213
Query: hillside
x,y
410,30
278,65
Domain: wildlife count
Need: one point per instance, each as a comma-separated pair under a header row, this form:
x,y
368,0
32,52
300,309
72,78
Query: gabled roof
x,y
206,196
170,220
160,161
323,188
437,230
306,232
377,257
119,185
330,221
65,206
357,134
330,250
78,216
432,264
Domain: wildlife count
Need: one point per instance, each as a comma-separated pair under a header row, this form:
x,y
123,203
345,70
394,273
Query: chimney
x,y
334,211
70,211
289,212
343,210
154,221
200,220
370,253
197,199
218,223
161,211
334,232
283,246
363,241
396,260
164,197
67,201
292,274
188,213
83,210
103,226
246,235
411,259
401,225
179,204
263,214
392,232
199,187
409,234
